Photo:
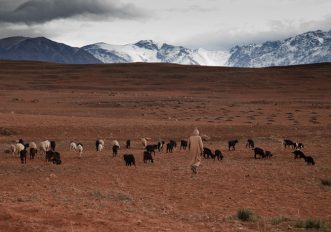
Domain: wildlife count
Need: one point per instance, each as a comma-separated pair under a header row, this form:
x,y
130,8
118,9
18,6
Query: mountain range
x,y
306,48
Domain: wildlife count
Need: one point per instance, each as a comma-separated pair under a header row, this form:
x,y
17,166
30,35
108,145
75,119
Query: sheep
x,y
32,145
33,152
128,144
250,143
44,146
298,154
183,144
258,151
116,143
115,150
73,146
288,143
80,149
144,142
148,157
232,143
207,153
219,155
16,148
129,159
99,144
309,160
23,156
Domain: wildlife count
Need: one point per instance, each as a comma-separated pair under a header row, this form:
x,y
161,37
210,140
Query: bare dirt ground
x,y
40,101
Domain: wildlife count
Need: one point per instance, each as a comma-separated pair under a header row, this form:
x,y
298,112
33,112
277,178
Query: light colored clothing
x,y
195,146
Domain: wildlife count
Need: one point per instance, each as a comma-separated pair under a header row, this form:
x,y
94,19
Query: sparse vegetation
x,y
244,215
6,131
279,220
310,224
326,182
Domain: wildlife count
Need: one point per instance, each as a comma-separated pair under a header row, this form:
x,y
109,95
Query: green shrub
x,y
278,220
310,224
244,215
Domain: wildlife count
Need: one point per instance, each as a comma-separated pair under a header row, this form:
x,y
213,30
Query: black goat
x,y
23,156
309,160
268,154
53,156
183,144
160,145
170,147
148,157
298,154
232,143
151,148
250,143
33,152
129,159
115,150
128,144
298,146
288,143
219,155
259,151
207,153
53,145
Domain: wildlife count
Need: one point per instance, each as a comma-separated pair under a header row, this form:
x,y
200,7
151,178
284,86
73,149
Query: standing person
x,y
195,147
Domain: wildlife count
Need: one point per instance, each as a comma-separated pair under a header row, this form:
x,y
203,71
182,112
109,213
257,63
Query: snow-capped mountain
x,y
150,51
307,48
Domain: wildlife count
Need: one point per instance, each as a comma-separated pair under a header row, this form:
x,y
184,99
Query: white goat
x,y
44,146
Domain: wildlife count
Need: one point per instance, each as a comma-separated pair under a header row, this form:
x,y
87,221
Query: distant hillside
x,y
43,49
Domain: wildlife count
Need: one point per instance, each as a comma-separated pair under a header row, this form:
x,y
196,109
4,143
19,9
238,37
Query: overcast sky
x,y
210,24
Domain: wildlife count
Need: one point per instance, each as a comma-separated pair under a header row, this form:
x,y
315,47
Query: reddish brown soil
x,y
41,101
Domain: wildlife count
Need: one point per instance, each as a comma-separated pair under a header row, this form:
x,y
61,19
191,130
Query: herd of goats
x,y
48,148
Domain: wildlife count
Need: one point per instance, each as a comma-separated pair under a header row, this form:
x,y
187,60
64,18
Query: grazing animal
x,y
151,148
298,146
160,145
53,156
23,156
232,143
144,142
44,146
258,151
115,150
268,154
99,144
298,154
73,146
288,143
129,159
170,147
207,154
128,144
115,143
148,157
33,152
53,145
16,148
309,160
173,142
80,149
183,144
219,155
250,143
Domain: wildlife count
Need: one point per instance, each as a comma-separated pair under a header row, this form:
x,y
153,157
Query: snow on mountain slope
x,y
306,48
150,51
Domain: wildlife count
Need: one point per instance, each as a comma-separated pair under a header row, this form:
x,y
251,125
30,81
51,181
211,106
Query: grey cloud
x,y
41,11
228,37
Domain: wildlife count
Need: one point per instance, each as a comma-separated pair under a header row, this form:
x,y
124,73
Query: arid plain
x,y
97,192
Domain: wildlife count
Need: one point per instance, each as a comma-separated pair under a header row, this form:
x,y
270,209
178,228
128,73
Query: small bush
x,y
6,131
244,215
311,224
326,182
278,220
